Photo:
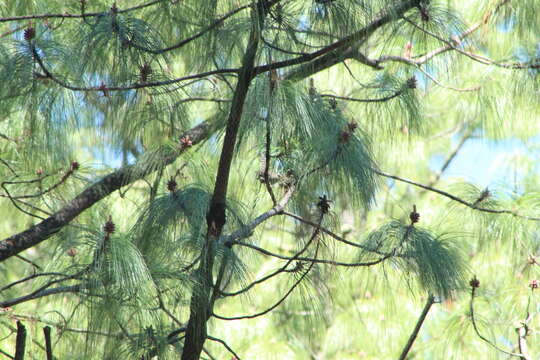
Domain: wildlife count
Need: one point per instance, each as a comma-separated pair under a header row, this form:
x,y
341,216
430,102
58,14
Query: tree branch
x,y
280,270
430,301
76,16
222,342
96,192
283,298
40,294
456,198
477,331
337,51
201,303
312,260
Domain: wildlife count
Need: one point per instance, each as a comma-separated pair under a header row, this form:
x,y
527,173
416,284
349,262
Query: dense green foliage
x,y
257,179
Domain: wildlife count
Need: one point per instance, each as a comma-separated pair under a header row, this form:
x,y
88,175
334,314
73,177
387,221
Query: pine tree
x,y
171,169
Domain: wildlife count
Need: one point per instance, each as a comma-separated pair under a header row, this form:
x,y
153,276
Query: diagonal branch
x,y
313,260
75,16
473,206
40,294
222,342
96,192
430,301
284,297
339,50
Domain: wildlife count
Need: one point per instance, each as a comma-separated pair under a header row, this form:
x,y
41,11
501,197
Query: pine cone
x,y
29,33
412,83
144,72
414,216
474,283
171,185
109,226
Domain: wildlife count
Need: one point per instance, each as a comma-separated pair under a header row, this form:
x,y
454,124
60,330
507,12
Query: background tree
x,y
177,173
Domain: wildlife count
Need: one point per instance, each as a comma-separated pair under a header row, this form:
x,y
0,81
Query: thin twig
x,y
30,277
430,301
477,331
281,300
313,260
451,157
346,98
281,269
75,16
186,41
222,342
456,198
6,354
40,294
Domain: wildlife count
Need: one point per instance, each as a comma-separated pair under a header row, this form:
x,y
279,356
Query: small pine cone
x,y
412,83
71,252
279,13
414,216
145,71
474,283
75,166
186,142
344,137
109,226
484,195
29,33
299,266
333,103
352,126
424,13
324,204
104,89
172,185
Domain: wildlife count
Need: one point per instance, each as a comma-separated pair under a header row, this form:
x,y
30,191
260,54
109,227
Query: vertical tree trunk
x,y
20,342
201,303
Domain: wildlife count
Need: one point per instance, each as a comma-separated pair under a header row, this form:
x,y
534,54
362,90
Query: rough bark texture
x,y
201,304
94,193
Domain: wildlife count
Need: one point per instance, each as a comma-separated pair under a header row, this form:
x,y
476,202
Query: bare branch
x,y
456,198
282,299
477,331
222,342
75,16
430,301
48,344
313,260
96,192
40,294
383,99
